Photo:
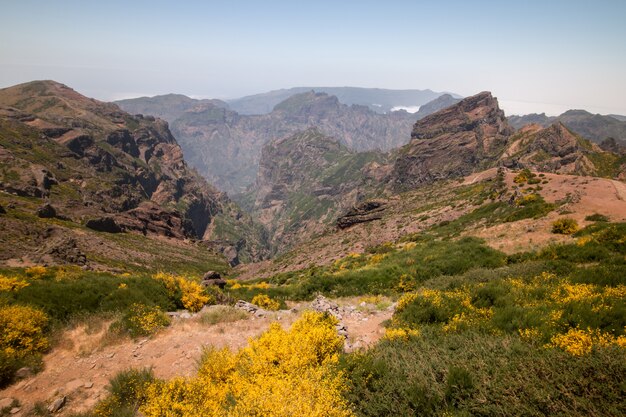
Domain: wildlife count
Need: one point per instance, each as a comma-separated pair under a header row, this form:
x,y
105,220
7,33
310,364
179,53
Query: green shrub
x,y
474,373
222,314
564,226
597,218
127,391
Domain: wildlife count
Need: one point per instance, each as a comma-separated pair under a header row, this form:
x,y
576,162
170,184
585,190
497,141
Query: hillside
x,y
88,165
225,147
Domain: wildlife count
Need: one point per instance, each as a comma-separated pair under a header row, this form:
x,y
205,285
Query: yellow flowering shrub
x,y
400,334
265,302
564,226
22,330
281,373
142,320
184,291
11,283
36,272
579,342
193,296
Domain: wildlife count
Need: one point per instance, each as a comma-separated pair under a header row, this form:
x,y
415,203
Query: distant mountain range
x,y
377,99
594,127
225,146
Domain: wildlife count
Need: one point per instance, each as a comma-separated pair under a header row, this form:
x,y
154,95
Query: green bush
x,y
127,391
565,226
597,218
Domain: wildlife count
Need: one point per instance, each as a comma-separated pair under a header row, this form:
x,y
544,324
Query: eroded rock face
x,y
452,142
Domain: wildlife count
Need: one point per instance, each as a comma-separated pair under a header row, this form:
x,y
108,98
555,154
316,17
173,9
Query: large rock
x,y
212,278
362,213
46,211
57,404
104,224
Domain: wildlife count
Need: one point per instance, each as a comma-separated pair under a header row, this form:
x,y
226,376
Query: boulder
x,y
57,404
364,212
212,278
104,224
209,275
46,211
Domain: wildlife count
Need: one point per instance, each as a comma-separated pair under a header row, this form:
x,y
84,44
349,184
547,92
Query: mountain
x,y
305,181
559,150
440,103
96,167
168,107
594,127
225,146
452,142
308,183
377,99
618,117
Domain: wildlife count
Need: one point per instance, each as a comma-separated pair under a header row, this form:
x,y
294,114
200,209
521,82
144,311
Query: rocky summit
x,y
452,142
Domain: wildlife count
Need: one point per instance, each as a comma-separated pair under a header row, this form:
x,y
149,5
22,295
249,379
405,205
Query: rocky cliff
x,y
559,150
453,142
100,166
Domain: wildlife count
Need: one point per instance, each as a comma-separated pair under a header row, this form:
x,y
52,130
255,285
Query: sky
x,y
535,56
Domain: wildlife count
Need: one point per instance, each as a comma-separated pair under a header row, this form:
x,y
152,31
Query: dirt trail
x,y
82,364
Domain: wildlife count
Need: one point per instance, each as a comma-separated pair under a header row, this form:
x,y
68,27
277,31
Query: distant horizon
x,y
535,56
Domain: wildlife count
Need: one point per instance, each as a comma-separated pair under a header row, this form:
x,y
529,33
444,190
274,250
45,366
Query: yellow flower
x,y
11,283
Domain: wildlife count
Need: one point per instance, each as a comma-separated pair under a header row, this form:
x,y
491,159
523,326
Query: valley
x,y
449,259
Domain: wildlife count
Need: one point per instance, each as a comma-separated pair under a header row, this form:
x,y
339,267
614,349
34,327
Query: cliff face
x,y
225,146
452,142
92,161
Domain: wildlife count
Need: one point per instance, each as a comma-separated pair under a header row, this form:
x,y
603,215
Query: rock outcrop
x,y
364,212
453,142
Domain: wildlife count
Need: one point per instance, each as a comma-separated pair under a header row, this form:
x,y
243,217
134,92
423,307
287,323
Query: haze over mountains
x,y
225,146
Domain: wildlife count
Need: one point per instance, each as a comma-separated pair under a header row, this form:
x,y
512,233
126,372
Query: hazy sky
x,y
533,55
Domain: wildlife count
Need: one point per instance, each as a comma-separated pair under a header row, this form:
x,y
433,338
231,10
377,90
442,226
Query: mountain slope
x,y
168,107
440,103
557,149
101,167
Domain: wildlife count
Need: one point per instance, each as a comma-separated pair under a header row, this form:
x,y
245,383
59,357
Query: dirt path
x,y
82,364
